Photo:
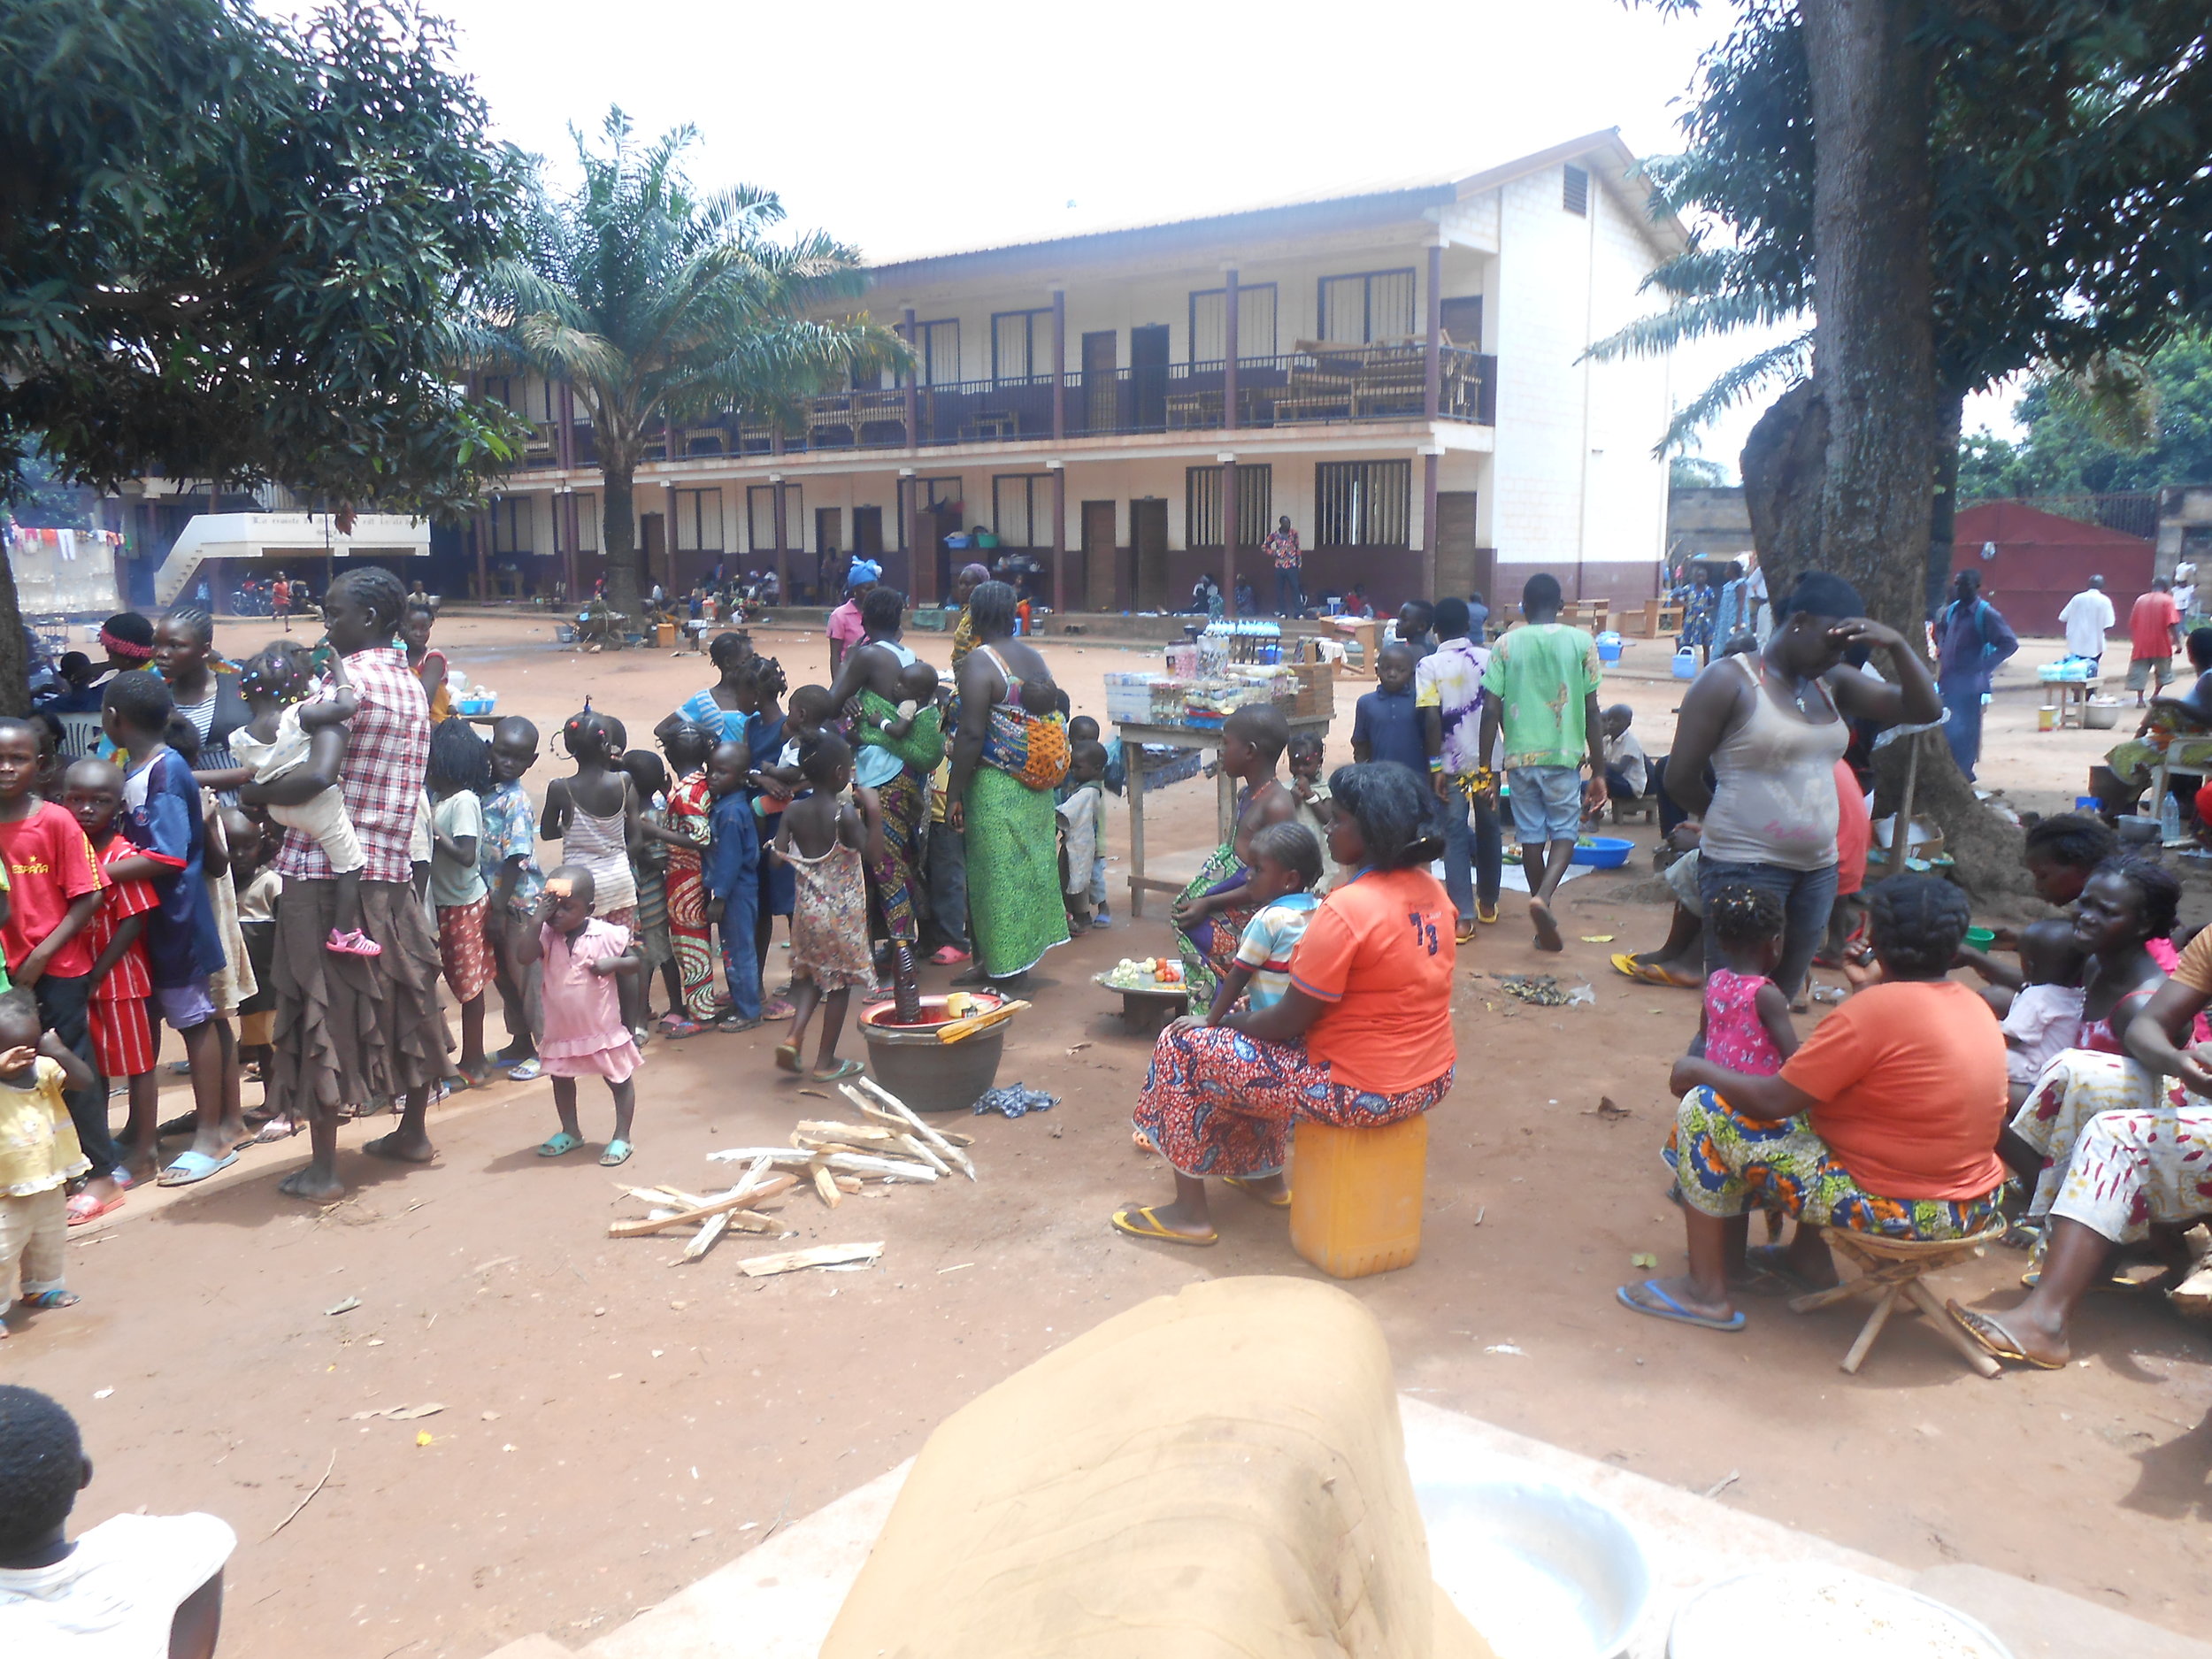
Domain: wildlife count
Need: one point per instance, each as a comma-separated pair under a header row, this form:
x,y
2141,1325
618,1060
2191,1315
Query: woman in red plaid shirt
x,y
352,1027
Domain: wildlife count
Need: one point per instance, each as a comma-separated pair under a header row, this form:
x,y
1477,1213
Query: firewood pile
x,y
832,1159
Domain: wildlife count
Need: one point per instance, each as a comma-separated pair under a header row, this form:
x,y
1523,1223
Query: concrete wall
x,y
1708,524
1578,484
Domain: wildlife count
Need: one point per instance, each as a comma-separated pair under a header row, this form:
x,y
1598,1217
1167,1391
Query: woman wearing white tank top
x,y
1772,726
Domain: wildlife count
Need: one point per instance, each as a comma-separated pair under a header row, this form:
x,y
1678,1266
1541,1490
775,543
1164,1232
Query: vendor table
x,y
1133,737
2070,699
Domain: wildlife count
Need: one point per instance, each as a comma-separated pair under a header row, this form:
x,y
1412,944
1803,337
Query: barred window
x,y
1361,503
1202,505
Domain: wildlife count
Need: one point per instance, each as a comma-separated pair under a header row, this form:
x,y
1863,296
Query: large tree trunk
x,y
617,534
1943,515
1874,329
15,664
1785,461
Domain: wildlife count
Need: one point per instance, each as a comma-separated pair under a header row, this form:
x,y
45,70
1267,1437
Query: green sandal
x,y
563,1143
618,1152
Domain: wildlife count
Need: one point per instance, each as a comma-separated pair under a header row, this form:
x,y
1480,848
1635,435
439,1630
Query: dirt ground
x,y
614,1426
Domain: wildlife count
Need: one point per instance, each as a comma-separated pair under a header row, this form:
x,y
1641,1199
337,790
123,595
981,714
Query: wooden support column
x,y
1059,538
668,537
482,528
783,580
1432,357
570,521
908,327
1430,459
1229,535
1059,375
1229,349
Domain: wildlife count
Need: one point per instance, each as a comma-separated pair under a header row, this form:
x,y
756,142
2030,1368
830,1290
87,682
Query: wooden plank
x,y
841,1163
708,1234
757,1185
826,1187
890,1107
820,1255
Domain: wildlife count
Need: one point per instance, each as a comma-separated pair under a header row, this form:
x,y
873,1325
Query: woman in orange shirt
x,y
1885,1121
1362,1036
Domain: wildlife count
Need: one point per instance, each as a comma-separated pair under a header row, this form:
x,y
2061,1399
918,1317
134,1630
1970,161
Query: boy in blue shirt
x,y
733,879
161,816
1386,723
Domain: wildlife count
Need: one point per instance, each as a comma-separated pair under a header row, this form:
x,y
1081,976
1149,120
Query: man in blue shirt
x,y
1972,638
733,880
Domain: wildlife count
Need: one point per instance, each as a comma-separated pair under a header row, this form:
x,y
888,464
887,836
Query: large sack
x,y
1217,1474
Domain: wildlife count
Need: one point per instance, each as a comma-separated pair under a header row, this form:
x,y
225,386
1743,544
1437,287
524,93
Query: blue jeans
x,y
1963,719
1290,593
947,857
1460,880
1807,897
740,963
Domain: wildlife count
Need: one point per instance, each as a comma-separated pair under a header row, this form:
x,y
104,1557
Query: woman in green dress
x,y
1006,757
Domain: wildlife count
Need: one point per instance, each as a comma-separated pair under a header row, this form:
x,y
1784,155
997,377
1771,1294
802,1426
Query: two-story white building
x,y
1397,370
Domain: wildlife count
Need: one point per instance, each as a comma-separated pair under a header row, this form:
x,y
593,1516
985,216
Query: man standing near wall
x,y
2087,616
2155,633
1283,551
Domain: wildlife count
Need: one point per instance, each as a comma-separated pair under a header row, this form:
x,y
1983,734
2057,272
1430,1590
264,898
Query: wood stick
x,y
847,1183
897,1110
914,1145
826,1186
820,1255
746,1191
960,1030
708,1234
856,1132
743,1220
318,1485
843,1163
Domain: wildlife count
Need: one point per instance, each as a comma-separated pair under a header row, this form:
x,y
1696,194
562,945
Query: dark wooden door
x,y
1101,561
1147,543
1461,567
653,551
1148,378
1462,321
1102,379
868,532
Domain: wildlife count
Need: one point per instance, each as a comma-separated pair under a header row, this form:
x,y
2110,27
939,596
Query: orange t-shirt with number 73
x,y
1380,950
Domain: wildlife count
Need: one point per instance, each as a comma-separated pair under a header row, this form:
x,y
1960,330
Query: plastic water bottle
x,y
2170,820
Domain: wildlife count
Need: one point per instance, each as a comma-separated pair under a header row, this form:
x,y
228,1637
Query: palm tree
x,y
662,306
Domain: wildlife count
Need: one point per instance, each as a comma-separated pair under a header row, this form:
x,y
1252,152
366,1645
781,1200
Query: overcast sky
x,y
908,129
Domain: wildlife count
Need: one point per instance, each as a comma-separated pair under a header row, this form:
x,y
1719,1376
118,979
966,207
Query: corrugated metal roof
x,y
1453,185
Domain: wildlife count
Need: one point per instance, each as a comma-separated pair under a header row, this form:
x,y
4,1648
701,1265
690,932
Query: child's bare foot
x,y
1547,925
399,1147
315,1183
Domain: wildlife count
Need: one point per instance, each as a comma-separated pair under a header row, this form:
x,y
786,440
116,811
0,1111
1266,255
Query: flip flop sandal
x,y
1647,972
528,1071
842,1070
1464,932
1773,1260
617,1153
1995,1339
1673,1312
777,1008
1275,1200
83,1207
730,1023
52,1299
559,1145
275,1129
681,1029
788,1056
193,1167
1487,914
1142,1222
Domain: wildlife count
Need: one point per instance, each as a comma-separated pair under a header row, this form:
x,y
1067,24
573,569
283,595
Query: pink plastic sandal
x,y
356,943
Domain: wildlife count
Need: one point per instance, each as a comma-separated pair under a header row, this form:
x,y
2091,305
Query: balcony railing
x,y
1321,386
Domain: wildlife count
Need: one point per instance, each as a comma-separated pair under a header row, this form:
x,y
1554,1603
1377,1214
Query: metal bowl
x,y
1542,1572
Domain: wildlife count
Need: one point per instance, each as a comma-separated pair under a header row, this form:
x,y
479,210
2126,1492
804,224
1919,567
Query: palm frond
x,y
1691,320
1791,361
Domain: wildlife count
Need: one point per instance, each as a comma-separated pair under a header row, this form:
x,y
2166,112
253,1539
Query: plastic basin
x,y
1981,938
1542,1572
928,1075
1603,852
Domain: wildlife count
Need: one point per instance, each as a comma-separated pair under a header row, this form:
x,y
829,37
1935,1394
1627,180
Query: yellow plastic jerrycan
x,y
1355,1196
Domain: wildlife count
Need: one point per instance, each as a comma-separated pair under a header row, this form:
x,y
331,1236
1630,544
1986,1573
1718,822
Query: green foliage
x,y
231,248
2072,205
1694,471
661,304
2071,448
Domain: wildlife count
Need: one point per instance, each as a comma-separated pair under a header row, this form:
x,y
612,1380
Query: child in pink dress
x,y
584,958
1746,1025
1746,1021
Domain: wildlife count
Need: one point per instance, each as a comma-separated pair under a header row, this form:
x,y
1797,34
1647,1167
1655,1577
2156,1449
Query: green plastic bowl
x,y
1981,938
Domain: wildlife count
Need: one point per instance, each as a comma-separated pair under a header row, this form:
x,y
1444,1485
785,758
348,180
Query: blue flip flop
x,y
617,1153
1674,1312
196,1166
555,1145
